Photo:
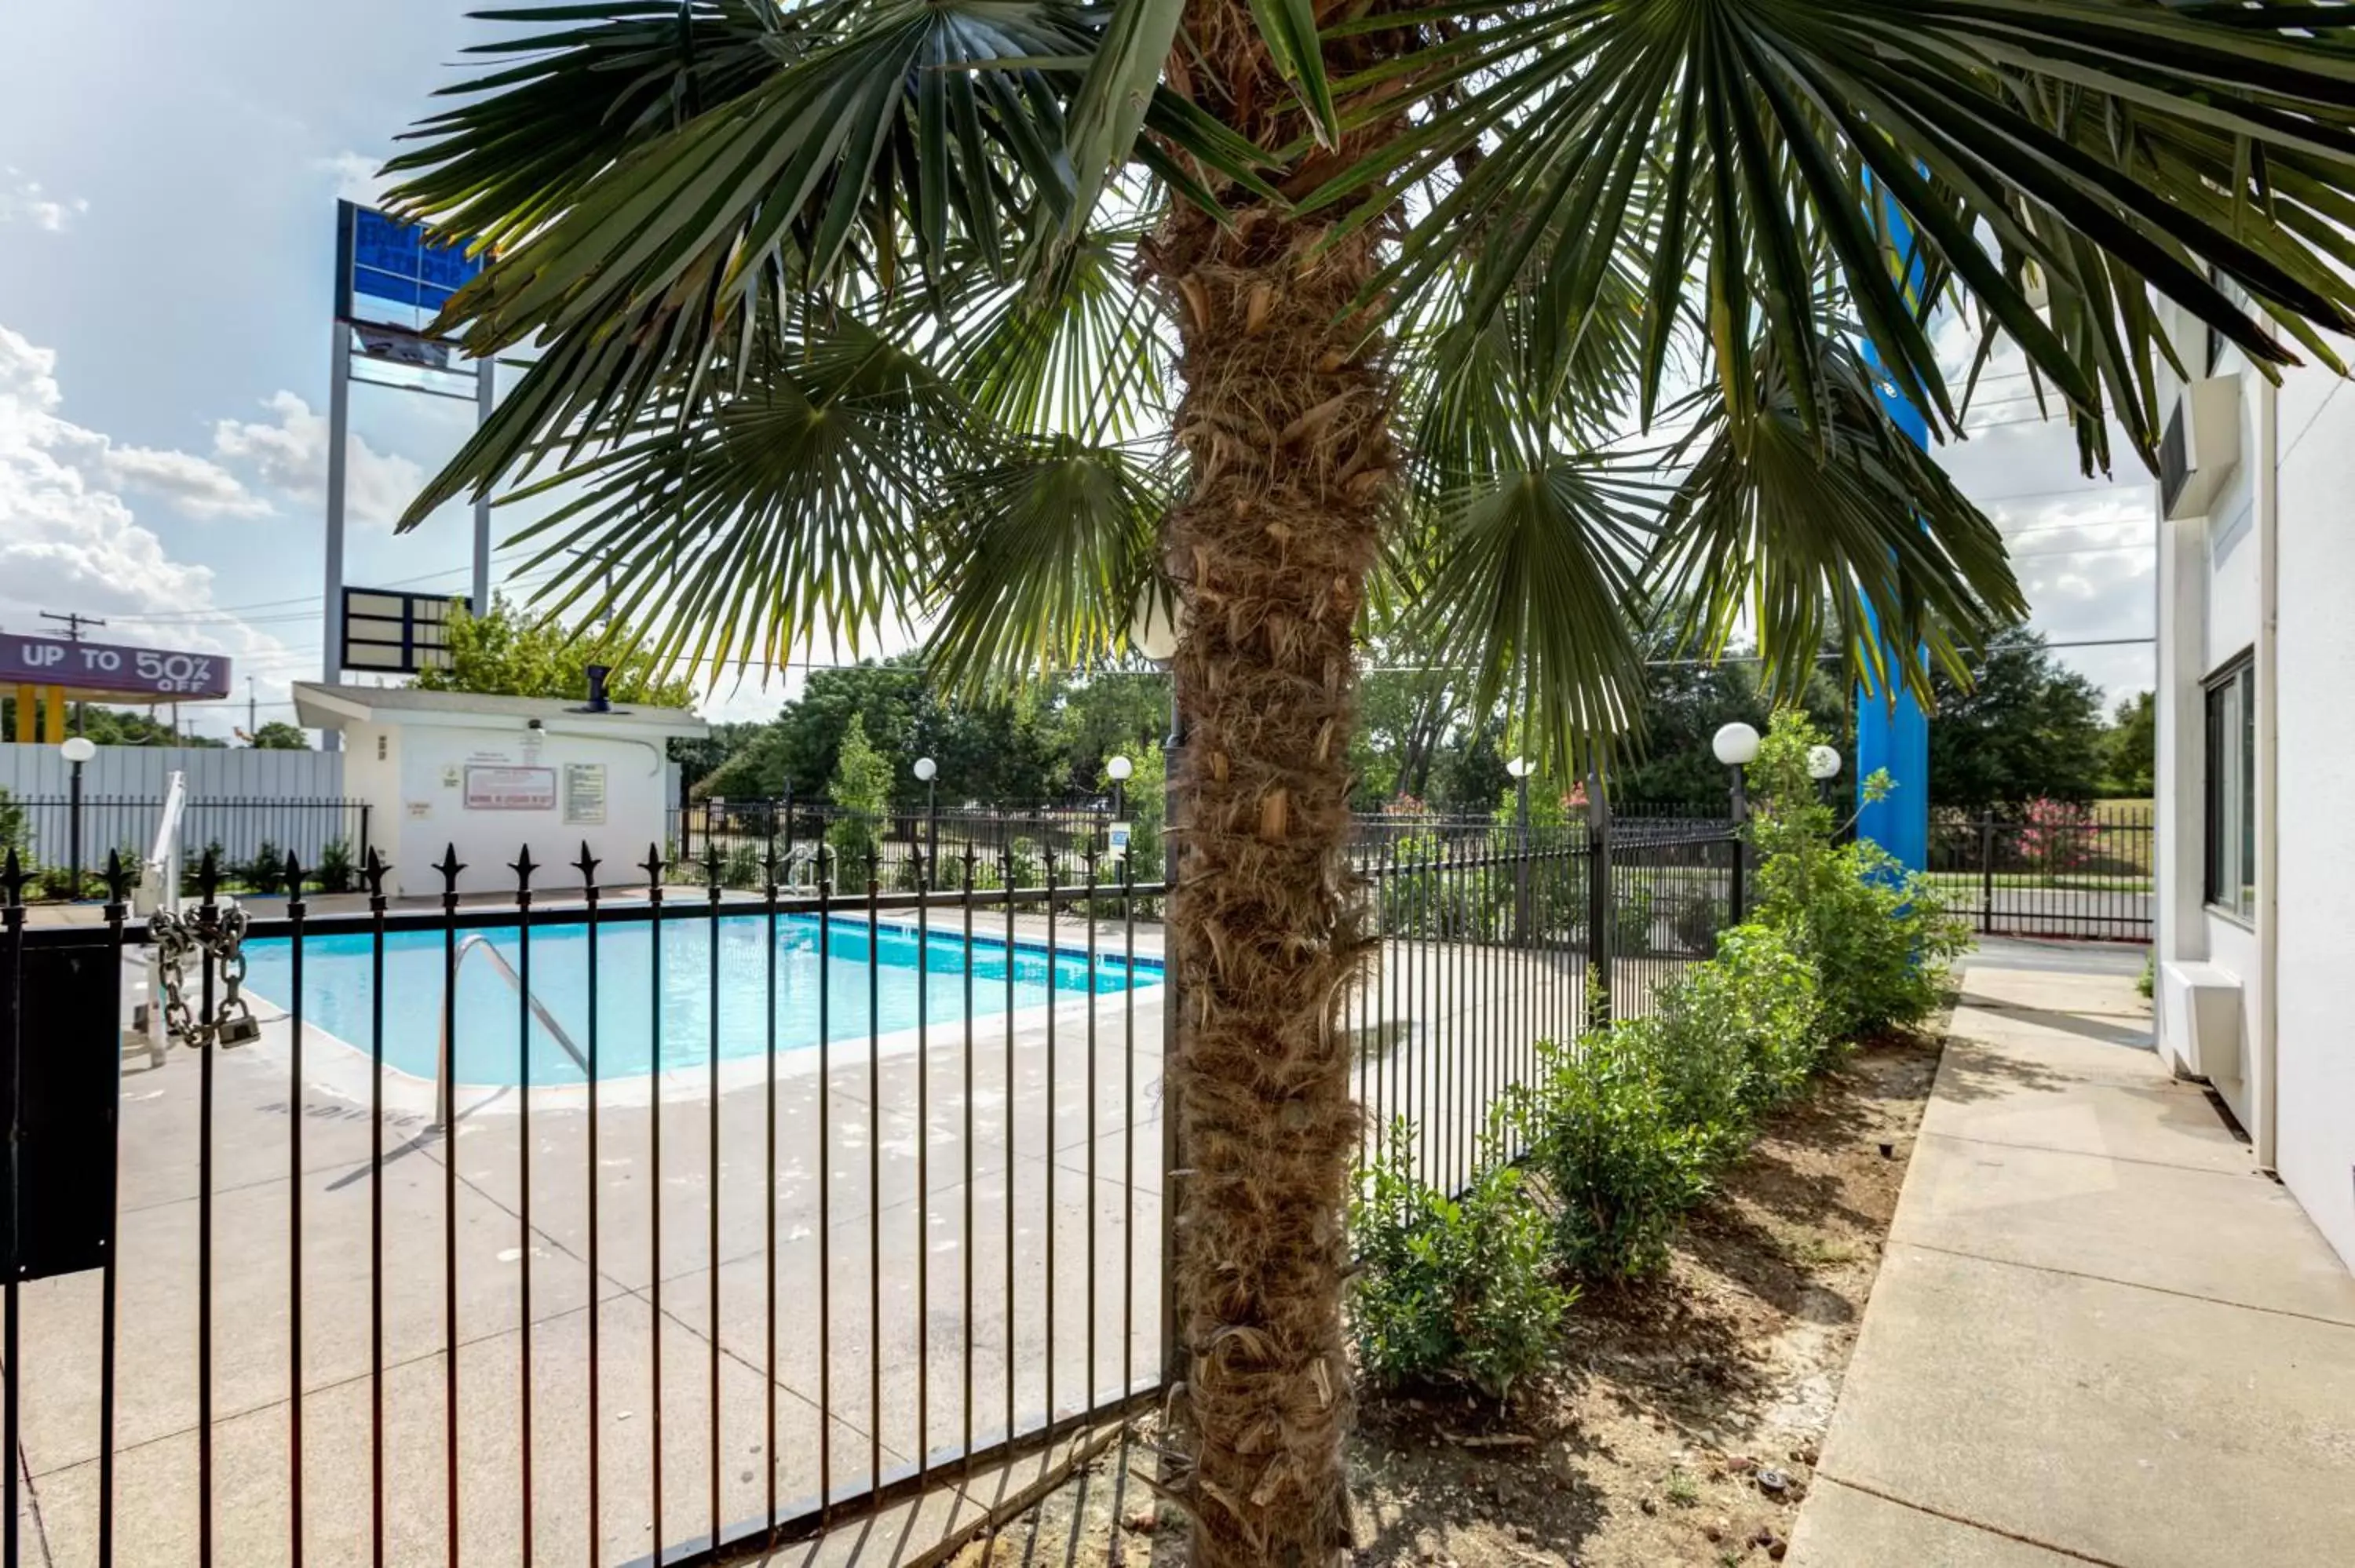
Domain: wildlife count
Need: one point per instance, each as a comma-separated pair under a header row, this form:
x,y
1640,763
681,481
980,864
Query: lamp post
x,y
1521,768
1823,763
927,771
1153,634
1736,746
1119,768
76,751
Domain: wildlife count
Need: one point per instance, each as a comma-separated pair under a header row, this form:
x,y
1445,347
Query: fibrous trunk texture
x,y
1285,418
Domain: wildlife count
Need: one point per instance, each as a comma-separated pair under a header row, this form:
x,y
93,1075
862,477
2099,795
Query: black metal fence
x,y
744,832
627,1221
250,838
2049,870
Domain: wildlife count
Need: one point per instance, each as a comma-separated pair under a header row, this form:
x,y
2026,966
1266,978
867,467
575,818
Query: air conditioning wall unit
x,y
2202,446
2199,1018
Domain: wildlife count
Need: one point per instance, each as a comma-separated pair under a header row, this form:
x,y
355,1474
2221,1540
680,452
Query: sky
x,y
166,245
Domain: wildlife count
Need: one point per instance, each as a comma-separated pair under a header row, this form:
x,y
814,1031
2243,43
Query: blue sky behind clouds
x,y
167,206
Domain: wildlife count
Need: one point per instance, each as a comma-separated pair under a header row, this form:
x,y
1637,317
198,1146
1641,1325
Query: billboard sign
x,y
380,258
112,669
392,632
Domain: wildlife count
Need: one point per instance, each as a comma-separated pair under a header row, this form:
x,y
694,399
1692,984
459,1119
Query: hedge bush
x,y
1605,1128
1625,1130
1451,1289
1881,939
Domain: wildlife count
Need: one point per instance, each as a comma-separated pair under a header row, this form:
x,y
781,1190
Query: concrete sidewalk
x,y
2099,1335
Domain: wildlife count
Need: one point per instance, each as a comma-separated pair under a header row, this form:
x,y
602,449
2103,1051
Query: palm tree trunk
x,y
1285,421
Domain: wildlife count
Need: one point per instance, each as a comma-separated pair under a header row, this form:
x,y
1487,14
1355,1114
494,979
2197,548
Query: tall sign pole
x,y
340,425
1892,732
487,397
392,279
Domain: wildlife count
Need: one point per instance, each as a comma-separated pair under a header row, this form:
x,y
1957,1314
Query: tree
x,y
512,653
861,790
2131,755
2027,727
1001,312
113,727
280,736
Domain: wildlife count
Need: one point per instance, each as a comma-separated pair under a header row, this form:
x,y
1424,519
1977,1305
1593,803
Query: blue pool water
x,y
339,989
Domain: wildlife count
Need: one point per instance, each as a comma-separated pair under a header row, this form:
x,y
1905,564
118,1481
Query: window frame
x,y
2228,850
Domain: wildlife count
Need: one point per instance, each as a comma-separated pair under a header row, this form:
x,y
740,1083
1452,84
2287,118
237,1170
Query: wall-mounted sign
x,y
110,667
1119,846
511,789
584,794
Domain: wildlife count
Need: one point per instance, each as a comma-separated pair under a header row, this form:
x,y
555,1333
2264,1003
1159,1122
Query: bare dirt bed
x,y
1682,1424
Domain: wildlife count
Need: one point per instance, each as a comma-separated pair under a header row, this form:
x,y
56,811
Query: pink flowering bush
x,y
2056,835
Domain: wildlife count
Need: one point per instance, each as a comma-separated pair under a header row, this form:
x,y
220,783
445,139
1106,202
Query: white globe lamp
x,y
1736,744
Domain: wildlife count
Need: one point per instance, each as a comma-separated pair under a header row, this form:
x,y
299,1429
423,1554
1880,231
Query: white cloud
x,y
289,453
357,179
21,200
69,540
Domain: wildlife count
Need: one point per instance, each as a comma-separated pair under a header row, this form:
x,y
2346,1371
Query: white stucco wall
x,y
420,791
2314,1003
2297,1097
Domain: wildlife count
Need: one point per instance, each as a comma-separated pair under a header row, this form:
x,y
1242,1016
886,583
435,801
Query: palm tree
x,y
995,312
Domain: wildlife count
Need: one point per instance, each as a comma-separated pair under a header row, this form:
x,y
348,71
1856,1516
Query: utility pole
x,y
252,729
73,625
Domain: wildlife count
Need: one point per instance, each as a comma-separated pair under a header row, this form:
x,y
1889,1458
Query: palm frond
x,y
1852,529
1730,149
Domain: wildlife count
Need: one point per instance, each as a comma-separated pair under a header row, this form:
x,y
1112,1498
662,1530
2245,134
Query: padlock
x,y
239,1028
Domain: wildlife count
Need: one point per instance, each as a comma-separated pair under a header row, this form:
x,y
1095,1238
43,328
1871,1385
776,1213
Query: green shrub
x,y
1881,939
1741,1033
266,872
335,872
2143,981
1451,1288
741,867
1609,1132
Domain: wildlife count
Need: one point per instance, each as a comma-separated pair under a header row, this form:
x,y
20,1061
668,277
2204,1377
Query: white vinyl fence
x,y
32,772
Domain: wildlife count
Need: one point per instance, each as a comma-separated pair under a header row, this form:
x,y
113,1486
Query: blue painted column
x,y
1892,732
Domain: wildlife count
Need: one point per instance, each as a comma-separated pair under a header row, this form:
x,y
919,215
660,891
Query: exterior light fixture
x,y
927,770
1736,744
1823,762
1521,768
1153,630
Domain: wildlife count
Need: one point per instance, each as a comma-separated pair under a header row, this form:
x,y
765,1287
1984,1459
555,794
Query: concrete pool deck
x,y
889,1236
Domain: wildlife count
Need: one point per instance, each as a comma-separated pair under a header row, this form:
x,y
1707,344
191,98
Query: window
x,y
2231,872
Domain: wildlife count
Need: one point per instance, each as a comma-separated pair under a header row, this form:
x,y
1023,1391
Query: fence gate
x,y
2049,870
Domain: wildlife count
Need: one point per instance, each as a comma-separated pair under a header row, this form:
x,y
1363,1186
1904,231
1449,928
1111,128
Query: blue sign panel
x,y
1892,732
380,256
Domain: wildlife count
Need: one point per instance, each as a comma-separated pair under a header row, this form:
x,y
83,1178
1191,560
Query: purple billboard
x,y
154,672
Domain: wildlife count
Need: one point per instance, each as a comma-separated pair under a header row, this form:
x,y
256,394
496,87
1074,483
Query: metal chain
x,y
177,939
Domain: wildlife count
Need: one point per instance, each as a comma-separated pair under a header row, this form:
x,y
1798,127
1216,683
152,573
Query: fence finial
x,y
449,867
652,866
13,878
523,868
587,865
294,883
119,877
373,872
711,864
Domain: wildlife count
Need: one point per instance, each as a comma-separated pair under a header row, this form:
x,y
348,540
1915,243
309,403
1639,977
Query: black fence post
x,y
1987,875
1598,903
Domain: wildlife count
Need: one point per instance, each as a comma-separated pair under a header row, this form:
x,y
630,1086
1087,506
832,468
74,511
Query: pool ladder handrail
x,y
443,1089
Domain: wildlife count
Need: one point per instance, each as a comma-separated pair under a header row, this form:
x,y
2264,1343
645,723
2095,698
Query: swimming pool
x,y
339,989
